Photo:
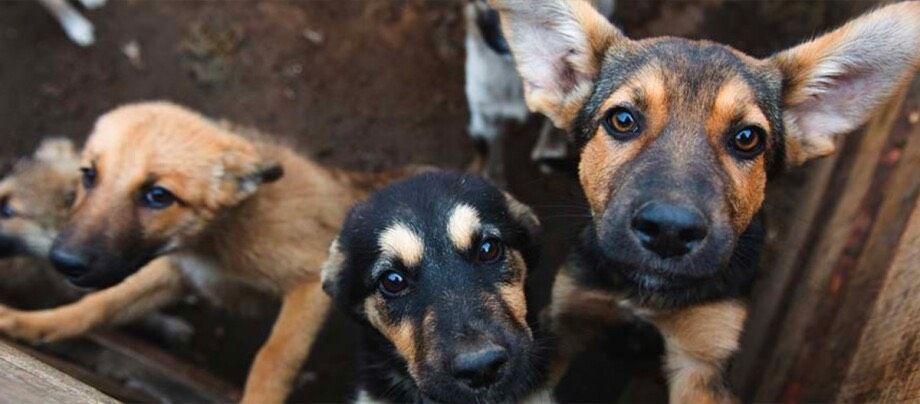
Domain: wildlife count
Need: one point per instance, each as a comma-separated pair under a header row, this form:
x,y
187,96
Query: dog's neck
x,y
732,280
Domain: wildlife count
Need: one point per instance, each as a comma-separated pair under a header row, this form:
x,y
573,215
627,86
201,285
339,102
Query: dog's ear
x,y
835,82
558,48
242,172
332,270
59,152
528,221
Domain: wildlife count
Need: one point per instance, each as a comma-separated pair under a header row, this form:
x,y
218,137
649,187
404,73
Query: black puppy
x,y
433,267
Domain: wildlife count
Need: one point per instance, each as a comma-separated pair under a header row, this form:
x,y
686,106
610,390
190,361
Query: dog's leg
x,y
699,341
77,27
573,319
278,361
153,286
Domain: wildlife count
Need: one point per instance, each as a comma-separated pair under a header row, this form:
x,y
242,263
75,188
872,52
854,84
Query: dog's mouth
x,y
104,274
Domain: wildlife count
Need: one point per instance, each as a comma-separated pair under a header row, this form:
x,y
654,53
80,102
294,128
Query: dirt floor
x,y
358,84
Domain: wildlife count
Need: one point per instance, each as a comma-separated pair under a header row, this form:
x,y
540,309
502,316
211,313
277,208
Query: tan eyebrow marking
x,y
400,241
735,99
462,226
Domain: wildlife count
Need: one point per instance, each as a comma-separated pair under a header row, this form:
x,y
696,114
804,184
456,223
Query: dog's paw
x,y
32,327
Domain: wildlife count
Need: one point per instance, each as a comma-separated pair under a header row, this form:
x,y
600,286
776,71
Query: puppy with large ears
x,y
677,139
433,268
170,201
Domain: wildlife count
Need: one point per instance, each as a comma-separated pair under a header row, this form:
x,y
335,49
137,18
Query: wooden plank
x,y
25,380
886,367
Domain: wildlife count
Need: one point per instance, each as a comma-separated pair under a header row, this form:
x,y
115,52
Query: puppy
x,y
433,268
170,202
677,139
35,198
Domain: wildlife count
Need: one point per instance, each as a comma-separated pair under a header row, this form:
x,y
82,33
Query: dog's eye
x,y
490,250
89,177
748,142
621,123
392,283
158,198
6,210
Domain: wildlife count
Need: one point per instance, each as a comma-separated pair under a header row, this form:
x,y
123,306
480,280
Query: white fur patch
x,y
462,226
400,241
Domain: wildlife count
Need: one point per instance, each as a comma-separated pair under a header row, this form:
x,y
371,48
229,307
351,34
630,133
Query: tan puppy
x,y
35,196
171,200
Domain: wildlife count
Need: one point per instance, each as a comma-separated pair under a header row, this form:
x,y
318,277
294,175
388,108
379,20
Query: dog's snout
x,y
669,230
481,366
71,263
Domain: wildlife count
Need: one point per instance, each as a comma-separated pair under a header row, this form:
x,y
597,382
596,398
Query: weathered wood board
x,y
25,380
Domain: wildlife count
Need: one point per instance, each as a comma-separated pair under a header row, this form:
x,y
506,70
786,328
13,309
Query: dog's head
x,y
677,137
154,175
436,264
35,197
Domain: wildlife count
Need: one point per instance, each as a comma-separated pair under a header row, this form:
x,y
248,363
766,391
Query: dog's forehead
x,y
691,73
428,213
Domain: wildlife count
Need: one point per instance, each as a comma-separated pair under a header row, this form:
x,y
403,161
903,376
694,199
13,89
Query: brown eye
x,y
621,123
490,250
748,142
392,283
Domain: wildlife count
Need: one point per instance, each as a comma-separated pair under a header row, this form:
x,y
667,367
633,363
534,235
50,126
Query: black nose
x,y
480,368
669,230
70,263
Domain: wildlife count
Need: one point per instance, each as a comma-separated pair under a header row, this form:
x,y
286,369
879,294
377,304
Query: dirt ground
x,y
358,84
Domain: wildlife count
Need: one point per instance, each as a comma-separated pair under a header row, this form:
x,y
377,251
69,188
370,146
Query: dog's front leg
x,y
699,341
153,286
574,318
278,361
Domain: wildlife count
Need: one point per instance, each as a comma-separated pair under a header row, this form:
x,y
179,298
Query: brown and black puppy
x,y
677,139
172,201
434,267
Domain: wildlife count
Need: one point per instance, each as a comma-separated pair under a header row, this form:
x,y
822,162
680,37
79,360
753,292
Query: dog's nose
x,y
480,367
669,230
70,263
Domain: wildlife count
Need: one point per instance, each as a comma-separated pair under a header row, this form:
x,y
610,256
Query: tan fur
x,y
402,334
229,229
699,341
462,225
155,285
512,294
599,161
401,242
603,156
747,182
40,190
